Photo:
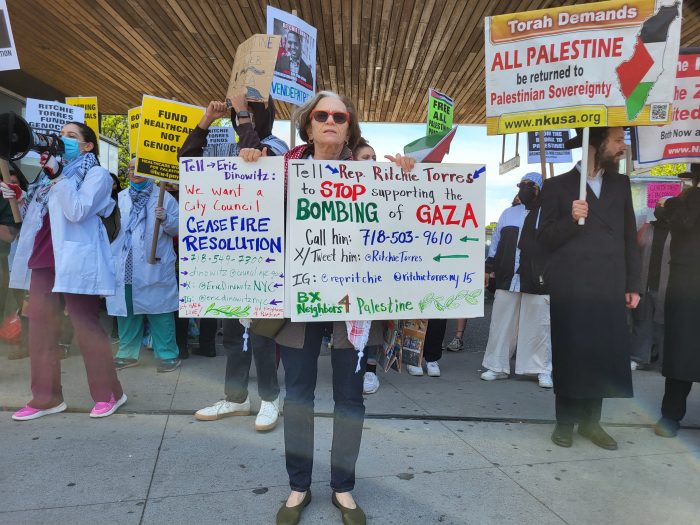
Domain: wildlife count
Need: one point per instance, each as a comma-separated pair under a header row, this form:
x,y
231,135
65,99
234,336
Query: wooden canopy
x,y
384,54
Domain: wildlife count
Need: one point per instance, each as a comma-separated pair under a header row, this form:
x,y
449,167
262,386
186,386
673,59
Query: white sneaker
x,y
414,370
370,384
545,380
222,409
633,365
433,368
268,415
490,375
455,345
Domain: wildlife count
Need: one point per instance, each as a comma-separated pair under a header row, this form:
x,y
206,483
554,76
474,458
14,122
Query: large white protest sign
x,y
8,52
679,141
231,237
46,116
294,79
367,241
592,64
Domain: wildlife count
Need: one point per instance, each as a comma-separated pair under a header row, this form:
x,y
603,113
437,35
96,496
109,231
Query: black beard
x,y
608,163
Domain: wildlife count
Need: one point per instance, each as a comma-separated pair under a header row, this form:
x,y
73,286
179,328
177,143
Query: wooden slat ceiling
x,y
384,54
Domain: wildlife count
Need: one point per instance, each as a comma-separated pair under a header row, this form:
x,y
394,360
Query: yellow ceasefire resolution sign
x,y
163,127
89,104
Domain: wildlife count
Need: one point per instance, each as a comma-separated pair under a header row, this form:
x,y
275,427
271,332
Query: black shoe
x,y
354,516
184,353
291,515
168,365
563,435
205,352
666,427
597,435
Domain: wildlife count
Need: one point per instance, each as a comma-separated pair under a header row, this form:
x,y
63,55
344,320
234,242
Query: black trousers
x,y
432,351
570,410
300,371
675,396
207,333
261,349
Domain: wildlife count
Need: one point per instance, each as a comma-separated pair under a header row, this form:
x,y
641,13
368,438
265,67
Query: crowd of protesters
x,y
563,292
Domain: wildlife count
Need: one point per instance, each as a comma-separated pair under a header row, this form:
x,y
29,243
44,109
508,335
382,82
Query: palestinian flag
x,y
639,74
431,148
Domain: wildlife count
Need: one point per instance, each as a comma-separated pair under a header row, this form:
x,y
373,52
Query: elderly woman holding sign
x,y
64,249
328,124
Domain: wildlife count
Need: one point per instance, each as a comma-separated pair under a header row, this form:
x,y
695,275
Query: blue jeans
x,y
301,368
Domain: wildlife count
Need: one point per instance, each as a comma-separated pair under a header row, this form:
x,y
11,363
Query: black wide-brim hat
x,y
577,140
693,173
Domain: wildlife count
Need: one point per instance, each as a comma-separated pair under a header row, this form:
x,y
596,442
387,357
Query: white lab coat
x,y
83,259
154,286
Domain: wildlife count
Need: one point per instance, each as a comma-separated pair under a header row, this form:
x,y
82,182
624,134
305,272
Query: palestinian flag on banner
x,y
638,75
431,148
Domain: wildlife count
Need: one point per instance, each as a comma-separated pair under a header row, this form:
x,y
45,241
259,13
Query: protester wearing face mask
x,y
144,290
520,315
64,249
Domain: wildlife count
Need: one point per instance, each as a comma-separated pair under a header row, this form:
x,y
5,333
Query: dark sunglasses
x,y
339,117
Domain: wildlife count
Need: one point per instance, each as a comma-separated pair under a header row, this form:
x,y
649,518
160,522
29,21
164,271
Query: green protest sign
x,y
440,112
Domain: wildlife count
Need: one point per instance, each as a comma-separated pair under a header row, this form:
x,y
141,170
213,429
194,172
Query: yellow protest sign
x,y
133,117
89,104
163,127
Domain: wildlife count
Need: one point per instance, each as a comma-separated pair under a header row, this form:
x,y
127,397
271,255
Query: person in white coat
x,y
144,290
64,249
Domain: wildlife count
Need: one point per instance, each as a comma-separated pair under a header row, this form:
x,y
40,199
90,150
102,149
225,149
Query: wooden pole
x,y
584,170
543,156
5,168
152,259
503,150
551,170
292,130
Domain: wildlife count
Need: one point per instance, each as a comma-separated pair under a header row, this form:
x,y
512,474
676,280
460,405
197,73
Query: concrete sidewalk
x,y
453,449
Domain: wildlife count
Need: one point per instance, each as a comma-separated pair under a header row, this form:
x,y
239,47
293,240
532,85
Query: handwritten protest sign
x,y
253,67
231,237
163,127
593,64
134,116
554,150
45,116
220,135
89,104
8,52
440,112
679,141
370,242
294,80
657,190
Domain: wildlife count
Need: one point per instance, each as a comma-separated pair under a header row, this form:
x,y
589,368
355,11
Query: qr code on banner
x,y
658,113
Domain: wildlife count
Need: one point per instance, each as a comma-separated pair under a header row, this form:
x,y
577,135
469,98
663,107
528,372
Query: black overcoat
x,y
682,310
590,269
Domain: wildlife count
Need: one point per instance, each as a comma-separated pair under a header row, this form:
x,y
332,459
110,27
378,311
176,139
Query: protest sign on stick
x,y
134,116
8,51
253,67
368,241
440,112
89,104
220,135
231,237
48,117
678,141
554,150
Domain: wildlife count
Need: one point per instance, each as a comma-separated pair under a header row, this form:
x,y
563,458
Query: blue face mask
x,y
71,149
138,186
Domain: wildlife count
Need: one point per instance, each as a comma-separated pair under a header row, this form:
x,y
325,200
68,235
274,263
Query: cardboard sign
x,y
294,79
8,52
367,241
163,128
89,104
678,141
253,67
593,64
134,117
554,150
231,237
45,116
658,190
220,135
440,112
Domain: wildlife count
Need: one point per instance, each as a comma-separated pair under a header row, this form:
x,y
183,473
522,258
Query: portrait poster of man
x,y
294,79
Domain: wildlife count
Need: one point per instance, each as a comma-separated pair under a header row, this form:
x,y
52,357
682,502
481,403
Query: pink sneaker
x,y
27,413
107,408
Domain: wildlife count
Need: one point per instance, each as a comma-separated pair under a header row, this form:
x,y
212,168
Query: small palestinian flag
x,y
431,148
639,74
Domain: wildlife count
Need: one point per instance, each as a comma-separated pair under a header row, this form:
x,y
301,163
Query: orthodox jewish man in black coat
x,y
593,276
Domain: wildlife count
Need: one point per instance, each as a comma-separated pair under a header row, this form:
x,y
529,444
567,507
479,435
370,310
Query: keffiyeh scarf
x,y
139,198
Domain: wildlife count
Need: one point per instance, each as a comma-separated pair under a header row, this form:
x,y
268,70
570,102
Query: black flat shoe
x,y
666,428
598,436
292,515
354,516
563,435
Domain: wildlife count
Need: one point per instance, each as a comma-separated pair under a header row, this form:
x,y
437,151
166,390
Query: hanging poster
x,y
89,104
368,241
8,51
